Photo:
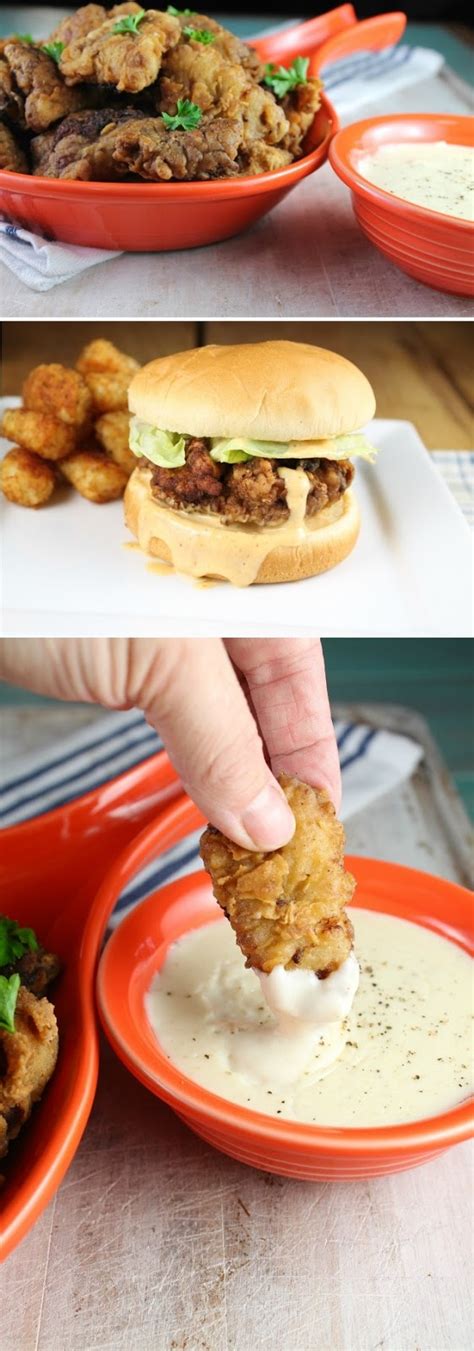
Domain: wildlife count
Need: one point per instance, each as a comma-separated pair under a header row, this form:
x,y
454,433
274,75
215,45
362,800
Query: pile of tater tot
x,y
73,427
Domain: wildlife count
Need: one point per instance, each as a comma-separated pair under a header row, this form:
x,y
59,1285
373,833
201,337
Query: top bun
x,y
269,391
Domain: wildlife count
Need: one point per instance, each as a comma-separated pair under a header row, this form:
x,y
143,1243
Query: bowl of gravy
x,y
388,1089
412,182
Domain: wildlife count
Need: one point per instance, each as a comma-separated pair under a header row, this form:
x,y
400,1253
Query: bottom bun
x,y
201,545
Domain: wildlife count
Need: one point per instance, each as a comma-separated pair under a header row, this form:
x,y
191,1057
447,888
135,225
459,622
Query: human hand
x,y
213,702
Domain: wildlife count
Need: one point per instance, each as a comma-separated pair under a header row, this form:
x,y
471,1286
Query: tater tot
x,y
113,430
101,355
38,432
94,476
61,392
109,391
26,480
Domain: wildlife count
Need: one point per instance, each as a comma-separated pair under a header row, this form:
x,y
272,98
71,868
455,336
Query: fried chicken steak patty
x,y
287,907
252,493
27,1060
83,146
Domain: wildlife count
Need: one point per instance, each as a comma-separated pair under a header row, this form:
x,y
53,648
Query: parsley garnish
x,y
14,941
54,50
281,80
172,10
199,35
129,23
187,116
9,988
23,37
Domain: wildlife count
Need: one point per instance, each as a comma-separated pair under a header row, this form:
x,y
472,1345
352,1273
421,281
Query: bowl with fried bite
x,y
137,950
50,870
155,217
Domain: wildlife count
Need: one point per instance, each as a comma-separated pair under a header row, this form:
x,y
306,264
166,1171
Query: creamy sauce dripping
x,y
434,175
402,1053
203,546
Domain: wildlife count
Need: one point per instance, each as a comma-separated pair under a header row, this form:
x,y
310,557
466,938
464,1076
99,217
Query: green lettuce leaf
x,y
348,447
241,448
9,988
167,449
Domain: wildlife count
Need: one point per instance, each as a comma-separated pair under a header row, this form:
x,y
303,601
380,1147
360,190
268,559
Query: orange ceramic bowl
x,y
137,950
50,869
438,250
142,217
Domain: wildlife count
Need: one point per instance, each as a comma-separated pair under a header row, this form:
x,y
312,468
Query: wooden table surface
x,y
306,258
421,372
156,1242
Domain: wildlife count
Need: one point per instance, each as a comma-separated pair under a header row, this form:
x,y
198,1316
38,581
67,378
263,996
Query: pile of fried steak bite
x,y
137,94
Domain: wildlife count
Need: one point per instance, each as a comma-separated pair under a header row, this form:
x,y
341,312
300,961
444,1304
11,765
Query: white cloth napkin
x,y
365,77
372,762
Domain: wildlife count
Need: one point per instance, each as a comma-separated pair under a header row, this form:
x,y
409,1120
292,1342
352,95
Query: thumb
x,y
188,690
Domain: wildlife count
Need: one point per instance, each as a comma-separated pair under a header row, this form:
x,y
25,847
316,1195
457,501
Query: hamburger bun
x,y
269,555
268,391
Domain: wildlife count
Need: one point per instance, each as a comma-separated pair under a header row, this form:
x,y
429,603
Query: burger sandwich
x,y
245,460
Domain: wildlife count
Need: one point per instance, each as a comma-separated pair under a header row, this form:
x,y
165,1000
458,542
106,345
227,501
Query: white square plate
x,y
66,572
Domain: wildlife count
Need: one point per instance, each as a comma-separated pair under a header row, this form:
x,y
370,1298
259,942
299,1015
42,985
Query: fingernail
x,y
268,820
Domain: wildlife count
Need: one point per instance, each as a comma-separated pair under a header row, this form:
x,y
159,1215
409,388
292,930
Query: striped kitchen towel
x,y
372,762
457,469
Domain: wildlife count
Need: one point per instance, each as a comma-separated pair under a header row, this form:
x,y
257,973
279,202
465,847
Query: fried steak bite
x,y
83,146
12,156
27,1060
12,103
47,97
208,151
85,20
224,42
36,968
253,493
287,907
300,107
127,60
26,480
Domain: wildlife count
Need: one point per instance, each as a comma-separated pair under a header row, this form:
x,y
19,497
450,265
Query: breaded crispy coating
x,y
61,392
94,476
101,355
27,1060
259,158
224,42
37,968
112,431
129,61
203,76
82,146
12,156
287,907
300,107
148,148
77,25
12,103
26,480
44,435
108,390
47,97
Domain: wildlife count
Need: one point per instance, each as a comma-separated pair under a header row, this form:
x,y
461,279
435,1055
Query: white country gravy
x,y
432,174
402,1053
203,546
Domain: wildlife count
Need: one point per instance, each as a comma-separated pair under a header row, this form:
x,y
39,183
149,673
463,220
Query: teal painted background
x,y
434,676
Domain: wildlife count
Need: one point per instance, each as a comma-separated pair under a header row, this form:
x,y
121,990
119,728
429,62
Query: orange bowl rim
x,y
344,140
443,1129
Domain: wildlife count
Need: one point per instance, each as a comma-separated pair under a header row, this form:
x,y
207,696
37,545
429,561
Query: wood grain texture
x,y
420,371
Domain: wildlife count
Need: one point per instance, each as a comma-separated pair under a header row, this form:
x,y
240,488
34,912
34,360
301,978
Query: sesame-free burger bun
x,y
268,391
328,538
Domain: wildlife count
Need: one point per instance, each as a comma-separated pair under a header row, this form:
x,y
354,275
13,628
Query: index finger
x,y
286,681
